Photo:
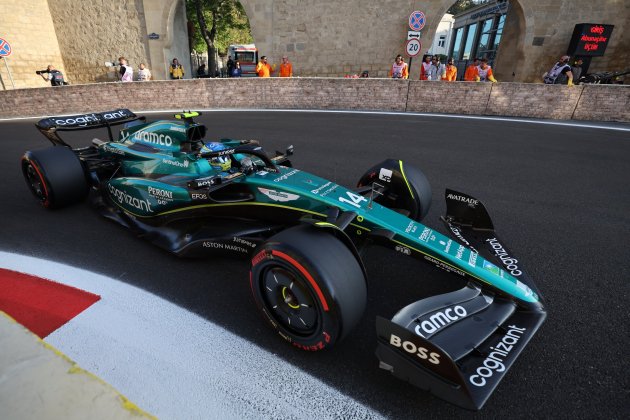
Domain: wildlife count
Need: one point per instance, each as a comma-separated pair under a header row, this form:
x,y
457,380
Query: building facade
x,y
477,33
442,38
322,38
78,38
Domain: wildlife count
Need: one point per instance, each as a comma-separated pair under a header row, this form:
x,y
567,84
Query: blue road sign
x,y
5,48
417,20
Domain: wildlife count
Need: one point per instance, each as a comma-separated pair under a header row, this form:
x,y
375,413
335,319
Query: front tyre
x,y
309,286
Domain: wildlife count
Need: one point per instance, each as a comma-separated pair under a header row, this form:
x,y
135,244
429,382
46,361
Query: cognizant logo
x,y
494,361
123,197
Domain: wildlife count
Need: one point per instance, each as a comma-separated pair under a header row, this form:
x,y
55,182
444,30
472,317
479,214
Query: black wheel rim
x,y
35,182
290,300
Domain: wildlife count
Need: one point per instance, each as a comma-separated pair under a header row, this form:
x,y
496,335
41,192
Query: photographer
x,y
53,75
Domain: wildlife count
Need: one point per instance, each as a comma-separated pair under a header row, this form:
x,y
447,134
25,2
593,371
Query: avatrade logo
x,y
494,361
470,201
440,319
278,195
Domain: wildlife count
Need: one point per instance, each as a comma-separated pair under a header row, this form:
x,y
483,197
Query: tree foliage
x,y
461,6
216,25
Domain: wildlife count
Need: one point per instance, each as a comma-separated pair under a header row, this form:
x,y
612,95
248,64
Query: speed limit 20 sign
x,y
413,47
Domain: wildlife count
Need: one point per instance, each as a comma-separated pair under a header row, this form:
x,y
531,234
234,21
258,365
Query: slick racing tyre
x,y
55,176
309,286
406,187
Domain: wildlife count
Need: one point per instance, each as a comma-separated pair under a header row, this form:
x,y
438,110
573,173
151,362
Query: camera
x,y
41,71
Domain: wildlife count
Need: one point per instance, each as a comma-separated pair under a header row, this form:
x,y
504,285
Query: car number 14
x,y
355,199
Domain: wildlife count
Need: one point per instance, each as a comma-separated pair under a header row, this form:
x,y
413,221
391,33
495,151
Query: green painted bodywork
x,y
153,184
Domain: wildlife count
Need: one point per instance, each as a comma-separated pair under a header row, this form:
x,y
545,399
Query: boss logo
x,y
420,352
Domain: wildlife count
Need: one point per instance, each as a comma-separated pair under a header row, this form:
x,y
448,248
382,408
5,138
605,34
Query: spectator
x,y
263,69
472,71
52,75
485,71
576,70
230,66
201,71
286,68
365,74
399,70
176,70
236,70
143,73
125,72
560,73
436,70
424,68
450,72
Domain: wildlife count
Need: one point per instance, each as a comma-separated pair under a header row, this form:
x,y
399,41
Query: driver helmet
x,y
222,163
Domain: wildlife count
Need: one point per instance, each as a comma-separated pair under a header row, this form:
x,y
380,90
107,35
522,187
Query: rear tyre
x,y
55,176
406,187
309,286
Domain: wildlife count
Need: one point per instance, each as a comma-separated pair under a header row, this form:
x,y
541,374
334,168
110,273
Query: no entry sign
x,y
417,19
5,48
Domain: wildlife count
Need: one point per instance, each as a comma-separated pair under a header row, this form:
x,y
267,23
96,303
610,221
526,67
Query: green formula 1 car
x,y
304,236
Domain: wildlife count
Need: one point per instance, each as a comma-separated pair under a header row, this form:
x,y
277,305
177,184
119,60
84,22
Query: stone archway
x,y
326,38
510,60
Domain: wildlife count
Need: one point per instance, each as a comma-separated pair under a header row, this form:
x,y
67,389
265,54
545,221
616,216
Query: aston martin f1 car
x,y
304,237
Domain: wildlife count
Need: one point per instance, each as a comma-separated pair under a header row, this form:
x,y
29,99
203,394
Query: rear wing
x,y
51,125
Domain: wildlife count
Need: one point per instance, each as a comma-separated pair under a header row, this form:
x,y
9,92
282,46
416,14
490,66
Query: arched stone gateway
x,y
321,37
334,38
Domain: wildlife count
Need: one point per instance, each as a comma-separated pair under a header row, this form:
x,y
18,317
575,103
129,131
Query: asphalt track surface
x,y
558,195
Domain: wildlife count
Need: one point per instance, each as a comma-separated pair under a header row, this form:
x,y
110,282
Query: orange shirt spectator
x,y
263,69
485,71
472,72
399,70
450,75
286,68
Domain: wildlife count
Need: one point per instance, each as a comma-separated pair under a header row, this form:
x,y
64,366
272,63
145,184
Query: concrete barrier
x,y
583,102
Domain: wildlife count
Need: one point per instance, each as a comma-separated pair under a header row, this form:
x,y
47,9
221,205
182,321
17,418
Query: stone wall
x,y
584,102
321,37
91,33
28,27
334,38
78,37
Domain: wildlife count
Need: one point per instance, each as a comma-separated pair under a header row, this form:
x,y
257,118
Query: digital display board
x,y
589,39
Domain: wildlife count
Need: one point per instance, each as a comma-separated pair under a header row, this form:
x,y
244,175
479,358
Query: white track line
x,y
177,365
574,124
